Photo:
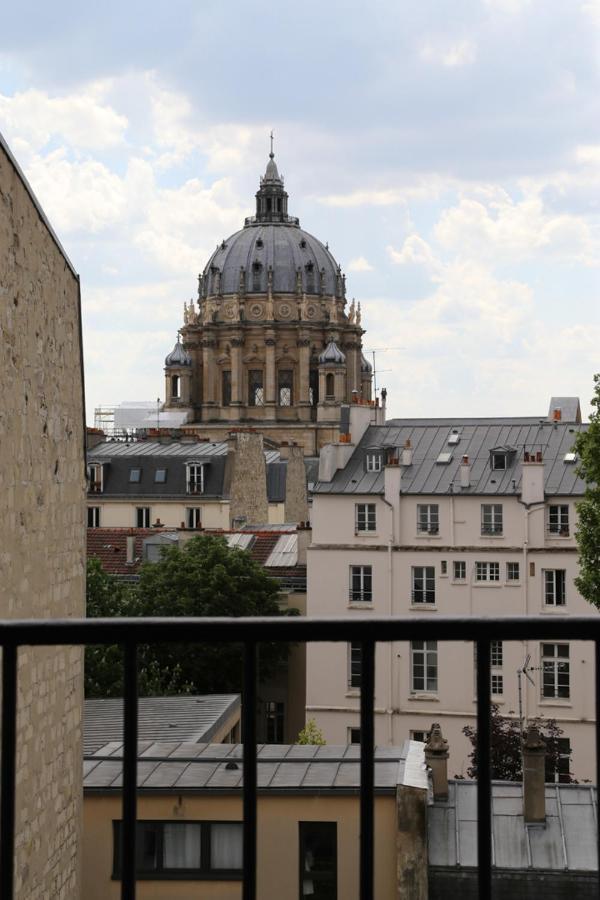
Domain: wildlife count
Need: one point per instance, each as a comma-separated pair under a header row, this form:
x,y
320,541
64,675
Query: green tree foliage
x,y
204,577
587,447
505,746
311,734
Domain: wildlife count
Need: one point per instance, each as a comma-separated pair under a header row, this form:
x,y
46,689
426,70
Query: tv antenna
x,y
374,353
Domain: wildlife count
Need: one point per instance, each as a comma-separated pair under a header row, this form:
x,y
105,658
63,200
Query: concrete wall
x,y
42,531
278,844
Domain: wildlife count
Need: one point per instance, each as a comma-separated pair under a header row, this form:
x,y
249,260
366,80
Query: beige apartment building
x,y
452,517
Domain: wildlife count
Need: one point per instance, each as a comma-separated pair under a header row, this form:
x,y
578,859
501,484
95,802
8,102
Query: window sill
x,y
425,534
422,607
556,701
492,537
353,692
365,534
431,698
513,584
487,584
459,581
360,604
554,610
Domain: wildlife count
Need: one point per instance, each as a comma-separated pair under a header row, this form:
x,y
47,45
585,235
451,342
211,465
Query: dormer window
x,y
310,278
256,272
502,458
373,461
499,461
135,476
195,478
95,478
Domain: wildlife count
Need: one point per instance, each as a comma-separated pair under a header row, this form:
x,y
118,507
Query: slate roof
x,y
180,766
429,438
189,718
568,842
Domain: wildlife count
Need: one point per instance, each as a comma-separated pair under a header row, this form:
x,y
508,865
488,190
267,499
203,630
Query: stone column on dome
x,y
270,386
237,343
352,351
208,371
304,370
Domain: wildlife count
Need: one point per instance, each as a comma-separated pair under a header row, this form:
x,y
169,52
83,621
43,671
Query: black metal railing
x,y
250,632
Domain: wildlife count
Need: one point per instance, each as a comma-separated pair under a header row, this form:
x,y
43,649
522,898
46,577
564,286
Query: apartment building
x,y
452,517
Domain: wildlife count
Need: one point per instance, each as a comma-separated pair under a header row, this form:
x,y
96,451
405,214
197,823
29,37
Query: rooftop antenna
x,y
375,369
157,413
271,154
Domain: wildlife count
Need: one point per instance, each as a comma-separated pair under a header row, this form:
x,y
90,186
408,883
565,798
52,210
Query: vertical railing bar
x,y
367,767
484,779
9,747
130,732
250,779
597,699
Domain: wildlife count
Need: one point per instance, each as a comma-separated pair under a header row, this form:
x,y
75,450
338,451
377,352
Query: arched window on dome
x,y
269,204
329,386
310,278
175,387
279,204
256,273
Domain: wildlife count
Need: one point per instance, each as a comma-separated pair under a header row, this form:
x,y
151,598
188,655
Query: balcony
x,y
250,632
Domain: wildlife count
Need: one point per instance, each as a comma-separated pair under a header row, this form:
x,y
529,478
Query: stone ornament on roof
x,y
178,356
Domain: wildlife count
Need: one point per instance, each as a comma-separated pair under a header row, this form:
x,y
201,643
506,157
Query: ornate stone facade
x,y
271,300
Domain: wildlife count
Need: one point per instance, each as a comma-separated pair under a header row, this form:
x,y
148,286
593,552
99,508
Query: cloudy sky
x,y
449,153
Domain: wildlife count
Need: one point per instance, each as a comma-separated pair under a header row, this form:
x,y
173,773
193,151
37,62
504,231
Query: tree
x,y
587,447
311,734
505,747
108,597
204,577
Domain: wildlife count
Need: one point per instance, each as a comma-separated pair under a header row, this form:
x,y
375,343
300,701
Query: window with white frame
x,y
422,736
193,517
497,683
558,768
354,664
142,517
194,478
428,518
365,518
93,517
459,570
496,654
361,584
95,478
555,581
424,667
373,460
558,519
512,571
499,460
555,671
491,518
423,584
196,849
487,571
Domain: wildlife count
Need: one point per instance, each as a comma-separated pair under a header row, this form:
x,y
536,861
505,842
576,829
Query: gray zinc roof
x,y
477,438
189,718
568,841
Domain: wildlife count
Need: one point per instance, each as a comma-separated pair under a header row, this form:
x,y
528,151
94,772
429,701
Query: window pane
x,y
318,860
181,845
226,846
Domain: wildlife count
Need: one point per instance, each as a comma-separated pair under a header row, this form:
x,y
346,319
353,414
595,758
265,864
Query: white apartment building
x,y
451,517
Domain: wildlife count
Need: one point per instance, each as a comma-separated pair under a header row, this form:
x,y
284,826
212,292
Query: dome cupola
x,y
332,355
178,356
365,365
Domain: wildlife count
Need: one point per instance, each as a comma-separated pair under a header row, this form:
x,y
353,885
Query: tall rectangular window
x,y
142,517
428,518
512,571
555,671
193,517
558,519
274,713
424,668
194,849
318,860
459,570
93,517
361,584
256,393
354,664
423,584
364,517
373,461
285,383
558,769
555,587
194,478
497,654
135,476
491,518
226,387
95,478
487,571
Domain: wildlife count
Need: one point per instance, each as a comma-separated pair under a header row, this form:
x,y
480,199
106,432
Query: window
x,y
93,516
422,736
423,666
365,517
197,849
353,735
512,571
95,479
423,584
329,386
194,478
497,684
443,567
274,713
142,517
499,460
354,664
318,860
256,271
193,517
491,518
487,571
175,387
497,654
555,671
256,394
361,584
135,476
558,520
285,381
459,570
428,518
226,387
310,278
555,587
558,768
313,389
373,461
160,476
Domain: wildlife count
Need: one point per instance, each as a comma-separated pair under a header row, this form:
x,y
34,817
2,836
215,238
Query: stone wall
x,y
248,497
42,531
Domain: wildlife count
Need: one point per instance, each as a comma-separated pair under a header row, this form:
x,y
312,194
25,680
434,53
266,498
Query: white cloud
x,y
591,8
360,264
460,53
510,7
414,251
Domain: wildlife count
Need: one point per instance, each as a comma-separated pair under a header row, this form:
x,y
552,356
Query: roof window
x,y
135,476
303,244
160,476
454,438
570,458
444,459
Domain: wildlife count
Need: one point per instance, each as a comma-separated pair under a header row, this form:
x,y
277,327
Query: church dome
x,y
365,365
271,245
332,354
178,356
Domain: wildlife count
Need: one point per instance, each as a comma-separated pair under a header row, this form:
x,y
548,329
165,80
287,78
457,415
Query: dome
x,y
332,354
178,356
365,365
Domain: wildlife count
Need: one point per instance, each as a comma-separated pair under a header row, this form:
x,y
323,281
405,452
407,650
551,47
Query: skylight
x,y
243,541
444,458
454,438
570,457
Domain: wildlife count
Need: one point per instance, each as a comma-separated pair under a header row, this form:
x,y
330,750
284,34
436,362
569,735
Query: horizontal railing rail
x,y
251,632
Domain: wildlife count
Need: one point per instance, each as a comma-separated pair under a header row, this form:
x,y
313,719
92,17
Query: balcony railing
x,y
250,632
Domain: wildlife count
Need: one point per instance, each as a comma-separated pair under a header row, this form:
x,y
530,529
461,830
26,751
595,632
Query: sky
x,y
449,154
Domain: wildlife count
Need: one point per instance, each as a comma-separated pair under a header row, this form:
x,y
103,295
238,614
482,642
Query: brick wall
x,y
42,531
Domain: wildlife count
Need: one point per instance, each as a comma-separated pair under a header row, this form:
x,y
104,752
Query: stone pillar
x,y
248,493
208,372
270,385
411,843
436,757
340,384
303,370
296,497
534,766
237,375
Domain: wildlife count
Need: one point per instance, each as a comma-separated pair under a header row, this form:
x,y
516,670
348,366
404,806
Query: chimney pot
x,y
534,766
436,757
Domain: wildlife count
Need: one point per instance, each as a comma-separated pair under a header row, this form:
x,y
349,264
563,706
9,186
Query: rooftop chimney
x,y
534,765
436,757
407,453
532,483
557,414
465,473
